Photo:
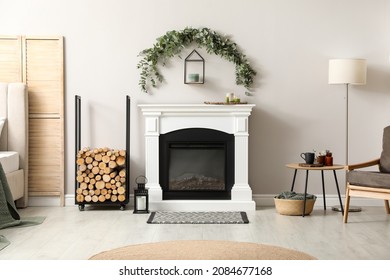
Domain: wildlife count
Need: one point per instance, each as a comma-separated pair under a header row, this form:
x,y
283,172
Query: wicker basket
x,y
293,207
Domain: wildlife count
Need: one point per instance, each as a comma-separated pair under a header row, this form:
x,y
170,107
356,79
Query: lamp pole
x,y
346,130
351,208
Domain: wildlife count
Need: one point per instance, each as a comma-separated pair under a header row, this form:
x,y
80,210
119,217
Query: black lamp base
x,y
351,209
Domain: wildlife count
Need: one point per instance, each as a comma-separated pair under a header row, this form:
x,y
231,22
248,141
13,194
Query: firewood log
x,y
99,185
95,170
106,178
121,190
98,157
80,198
120,160
112,164
106,159
113,174
82,167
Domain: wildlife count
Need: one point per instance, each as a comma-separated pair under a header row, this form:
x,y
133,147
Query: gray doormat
x,y
209,217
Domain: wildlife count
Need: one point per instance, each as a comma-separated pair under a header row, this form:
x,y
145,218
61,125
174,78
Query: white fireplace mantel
x,y
232,119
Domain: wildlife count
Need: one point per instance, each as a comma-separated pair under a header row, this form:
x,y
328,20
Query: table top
x,y
332,167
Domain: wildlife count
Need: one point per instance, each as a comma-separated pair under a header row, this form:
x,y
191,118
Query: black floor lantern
x,y
141,196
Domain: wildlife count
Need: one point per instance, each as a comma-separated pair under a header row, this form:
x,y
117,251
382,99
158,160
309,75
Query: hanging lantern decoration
x,y
194,68
141,196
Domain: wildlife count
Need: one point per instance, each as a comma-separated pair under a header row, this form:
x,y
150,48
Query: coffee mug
x,y
308,157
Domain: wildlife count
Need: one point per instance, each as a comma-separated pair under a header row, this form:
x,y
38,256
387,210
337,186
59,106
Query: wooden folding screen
x,y
38,62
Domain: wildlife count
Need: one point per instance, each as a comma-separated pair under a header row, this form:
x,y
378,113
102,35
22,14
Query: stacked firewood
x,y
101,175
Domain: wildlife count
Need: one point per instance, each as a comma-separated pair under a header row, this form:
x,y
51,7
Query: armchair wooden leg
x,y
387,206
346,207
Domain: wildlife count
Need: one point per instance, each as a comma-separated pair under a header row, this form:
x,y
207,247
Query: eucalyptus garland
x,y
173,42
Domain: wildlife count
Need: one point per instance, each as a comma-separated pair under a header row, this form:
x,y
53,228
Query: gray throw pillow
x,y
384,165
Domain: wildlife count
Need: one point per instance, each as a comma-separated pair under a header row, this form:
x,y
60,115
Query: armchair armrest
x,y
363,164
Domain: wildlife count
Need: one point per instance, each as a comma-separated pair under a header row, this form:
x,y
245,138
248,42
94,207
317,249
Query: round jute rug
x,y
201,250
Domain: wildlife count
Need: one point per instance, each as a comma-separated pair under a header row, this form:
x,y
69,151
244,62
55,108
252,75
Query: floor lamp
x,y
347,72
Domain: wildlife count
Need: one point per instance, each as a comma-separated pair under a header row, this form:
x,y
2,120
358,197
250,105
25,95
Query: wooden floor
x,y
70,234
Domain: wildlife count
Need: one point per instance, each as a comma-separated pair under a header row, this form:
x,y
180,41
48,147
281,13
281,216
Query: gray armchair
x,y
371,184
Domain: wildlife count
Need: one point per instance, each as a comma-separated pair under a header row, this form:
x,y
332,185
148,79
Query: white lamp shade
x,y
347,71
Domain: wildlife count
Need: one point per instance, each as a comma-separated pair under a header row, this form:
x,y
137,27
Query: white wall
x,y
289,44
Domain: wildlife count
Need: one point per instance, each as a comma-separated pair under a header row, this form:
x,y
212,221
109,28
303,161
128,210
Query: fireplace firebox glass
x,y
197,167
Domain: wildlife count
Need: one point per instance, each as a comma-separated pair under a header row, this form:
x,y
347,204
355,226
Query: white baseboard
x,y
262,200
44,201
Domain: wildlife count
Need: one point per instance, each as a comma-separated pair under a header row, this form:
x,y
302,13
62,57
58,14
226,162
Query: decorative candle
x,y
141,203
231,97
193,77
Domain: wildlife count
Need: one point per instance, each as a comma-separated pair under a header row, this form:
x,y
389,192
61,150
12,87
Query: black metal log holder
x,y
78,148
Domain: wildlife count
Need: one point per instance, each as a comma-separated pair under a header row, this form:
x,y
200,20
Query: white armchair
x,y
14,139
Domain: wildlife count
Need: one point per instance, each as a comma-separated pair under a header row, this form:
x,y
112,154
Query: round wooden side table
x,y
308,167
